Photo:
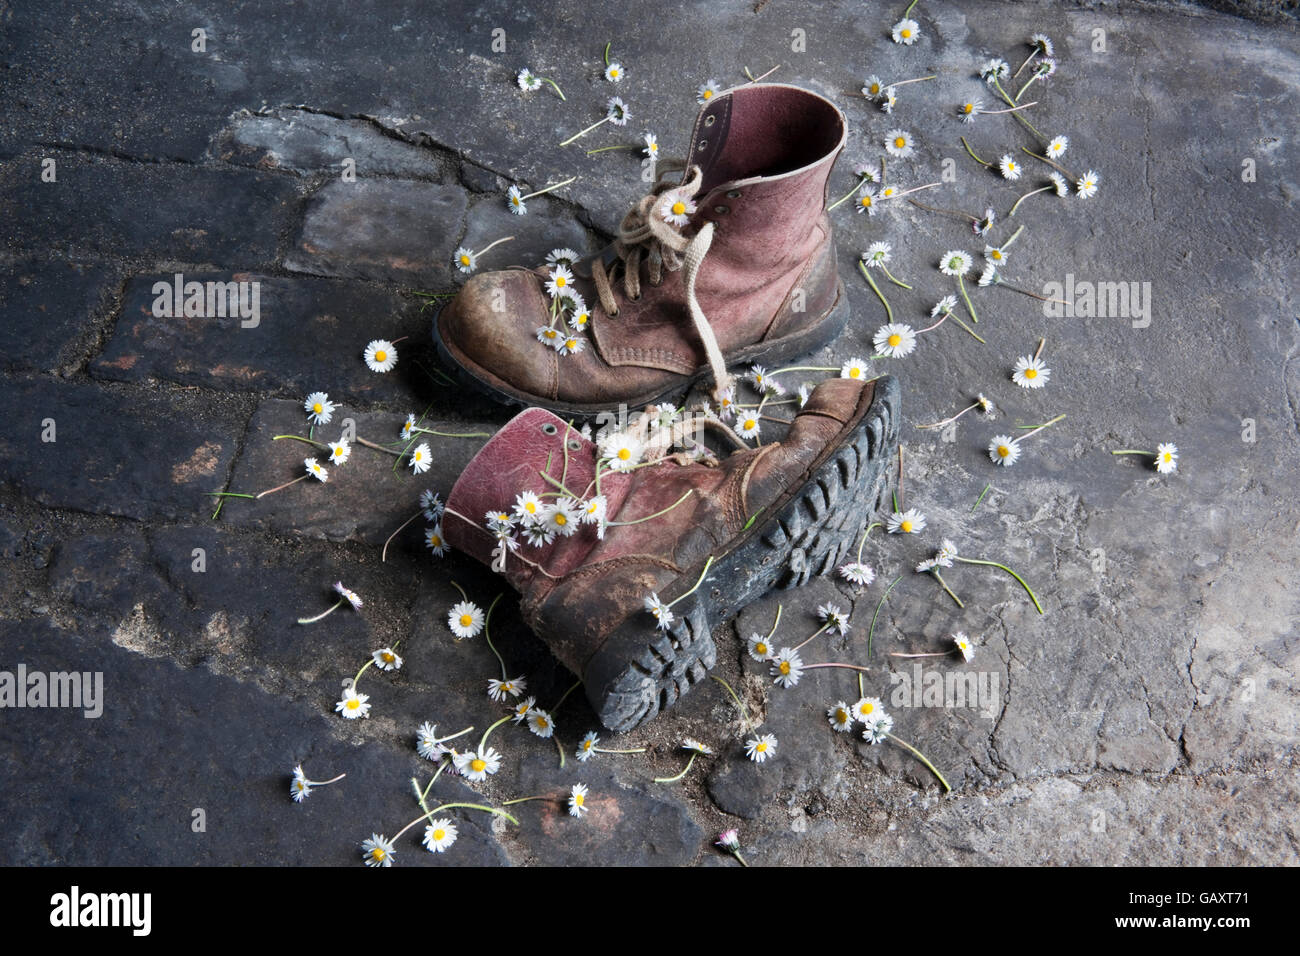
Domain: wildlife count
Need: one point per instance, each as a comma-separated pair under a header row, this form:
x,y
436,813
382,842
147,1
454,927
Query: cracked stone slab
x,y
548,225
45,307
309,336
400,231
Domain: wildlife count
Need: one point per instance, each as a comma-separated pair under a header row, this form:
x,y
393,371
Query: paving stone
x,y
309,336
393,230
116,452
108,208
547,226
46,306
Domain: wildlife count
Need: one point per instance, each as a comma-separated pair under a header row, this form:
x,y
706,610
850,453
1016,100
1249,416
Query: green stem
x,y
572,687
909,8
921,757
944,584
980,498
614,524
961,285
607,52
1133,451
824,627
862,543
1014,236
487,635
953,316
553,85
972,153
606,149
449,806
994,564
846,197
707,565
1026,196
890,276
313,620
872,632
430,431
685,770
487,733
579,135
739,703
875,288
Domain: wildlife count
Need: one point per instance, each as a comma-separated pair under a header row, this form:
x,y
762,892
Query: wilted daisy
x,y
621,451
380,355
678,212
955,263
888,100
560,280
1030,372
964,645
1059,184
353,705
659,611
758,749
895,340
578,800
728,840
840,716
427,744
1004,450
616,111
994,70
906,31
519,711
319,408
803,393
439,835
759,648
877,729
855,368
538,535
528,80
690,743
944,306
421,458
898,143
910,521
1010,168
377,851
833,618
651,149
867,709
614,72
587,746
387,659
1057,147
339,452
431,505
434,541
877,254
1087,184
1166,458
707,91
352,597
946,554
314,469
465,619
787,667
857,573
970,110
989,276
982,226
501,689
476,767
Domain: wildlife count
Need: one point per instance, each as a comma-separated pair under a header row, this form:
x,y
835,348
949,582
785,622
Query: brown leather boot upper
x,y
768,281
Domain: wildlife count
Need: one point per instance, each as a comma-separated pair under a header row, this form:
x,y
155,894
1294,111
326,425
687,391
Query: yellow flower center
x,y
1031,373
378,854
866,200
438,834
968,108
559,282
587,744
613,74
679,208
761,747
318,408
907,527
578,799
466,620
381,356
996,254
353,704
464,260
895,340
570,344
899,142
857,372
889,191
478,765
624,454
1004,451
561,519
542,723
841,716
388,657
708,94
435,540
875,89
750,423
760,647
784,668
867,707
905,33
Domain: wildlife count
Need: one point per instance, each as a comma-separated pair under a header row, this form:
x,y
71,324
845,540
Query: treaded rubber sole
x,y
808,532
821,334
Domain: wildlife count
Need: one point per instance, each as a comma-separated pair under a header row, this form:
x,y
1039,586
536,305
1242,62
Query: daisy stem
x,y
1028,83
493,245
383,555
565,696
1055,165
909,9
898,493
944,584
929,654
1039,428
449,806
607,45
890,276
915,189
969,308
805,368
487,635
882,169
1012,109
967,328
1026,196
613,524
707,565
972,153
739,859
576,136
326,783
540,796
364,668
861,692
430,431
848,195
446,762
850,667
980,498
551,189
921,757
871,633
463,595
1014,236
606,149
283,486
459,733
775,622
559,748
994,564
875,288
812,635
685,770
487,733
1032,295
632,750
1041,343
756,79
1133,451
313,620
949,421
228,494
1010,102
874,524
554,86
931,328
739,703
1028,60
917,79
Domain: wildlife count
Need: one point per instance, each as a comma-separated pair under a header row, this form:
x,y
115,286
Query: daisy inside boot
x,y
625,572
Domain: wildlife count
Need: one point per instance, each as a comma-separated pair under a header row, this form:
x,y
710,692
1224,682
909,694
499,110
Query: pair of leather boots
x,y
630,549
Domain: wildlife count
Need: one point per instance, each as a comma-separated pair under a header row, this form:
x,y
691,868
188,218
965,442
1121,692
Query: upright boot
x,y
577,549
732,264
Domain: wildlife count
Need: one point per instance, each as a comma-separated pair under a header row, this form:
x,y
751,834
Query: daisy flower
x,y
955,263
888,100
614,72
728,840
857,573
521,710
528,80
562,256
659,611
562,518
408,427
377,851
995,254
300,787
548,335
515,200
946,554
439,835
906,31
587,746
477,767
690,743
944,306
873,87
877,254
616,111
707,91
528,506
867,709
499,690
538,535
426,742
889,192
540,722
465,619
386,659
854,368
803,393
929,564
465,259
895,340
867,201
1030,372
1041,43
579,318
1010,168
1087,186
964,644
560,280
678,213
787,667
651,146
621,451
431,505
380,355
578,800
352,597
727,404
1057,147
570,345
433,540
970,110
764,383
421,458
319,408
1059,183
1004,450
878,729
982,227
832,615
339,452
353,705
314,469
910,521
898,143
989,276
758,749
840,716
994,70
1166,458
747,426
759,648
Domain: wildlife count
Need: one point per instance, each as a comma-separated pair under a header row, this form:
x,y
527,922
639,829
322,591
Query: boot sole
x,y
778,350
641,671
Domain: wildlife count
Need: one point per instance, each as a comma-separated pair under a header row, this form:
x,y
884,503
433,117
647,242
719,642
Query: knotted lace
x,y
646,235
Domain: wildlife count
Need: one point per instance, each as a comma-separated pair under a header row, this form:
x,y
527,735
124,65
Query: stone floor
x,y
1149,716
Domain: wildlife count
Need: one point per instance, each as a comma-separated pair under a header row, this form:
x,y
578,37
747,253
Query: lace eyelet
x,y
574,444
614,314
634,298
704,144
722,210
709,120
733,193
549,429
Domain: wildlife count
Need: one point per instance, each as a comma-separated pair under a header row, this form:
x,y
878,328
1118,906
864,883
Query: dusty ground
x,y
1149,716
